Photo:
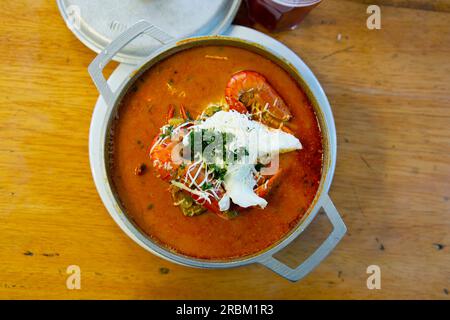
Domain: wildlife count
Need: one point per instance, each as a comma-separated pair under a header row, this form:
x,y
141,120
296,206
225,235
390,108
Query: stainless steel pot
x,y
236,36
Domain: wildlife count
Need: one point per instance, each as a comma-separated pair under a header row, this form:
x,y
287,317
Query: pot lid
x,y
97,23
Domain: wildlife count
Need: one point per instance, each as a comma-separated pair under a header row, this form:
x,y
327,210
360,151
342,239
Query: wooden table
x,y
390,93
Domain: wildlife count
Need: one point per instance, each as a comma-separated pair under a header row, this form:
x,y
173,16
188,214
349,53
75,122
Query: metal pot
x,y
235,36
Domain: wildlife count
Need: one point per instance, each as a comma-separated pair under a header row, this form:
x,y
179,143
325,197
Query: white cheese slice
x,y
224,203
262,144
239,183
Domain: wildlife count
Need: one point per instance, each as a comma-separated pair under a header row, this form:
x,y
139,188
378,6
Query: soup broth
x,y
196,77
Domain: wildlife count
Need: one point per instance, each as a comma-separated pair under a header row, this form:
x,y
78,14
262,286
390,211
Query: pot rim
x,y
309,84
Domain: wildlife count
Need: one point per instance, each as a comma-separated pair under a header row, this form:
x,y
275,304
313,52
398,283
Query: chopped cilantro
x,y
207,186
167,131
218,172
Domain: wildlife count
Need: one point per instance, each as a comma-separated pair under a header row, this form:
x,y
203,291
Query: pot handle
x,y
105,56
339,230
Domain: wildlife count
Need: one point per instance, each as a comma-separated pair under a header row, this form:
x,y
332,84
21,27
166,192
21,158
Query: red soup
x,y
184,85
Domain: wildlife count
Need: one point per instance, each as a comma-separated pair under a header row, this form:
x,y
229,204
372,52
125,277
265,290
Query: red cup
x,y
277,15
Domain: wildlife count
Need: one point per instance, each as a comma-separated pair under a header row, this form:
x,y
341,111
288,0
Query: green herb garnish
x,y
167,131
218,172
207,186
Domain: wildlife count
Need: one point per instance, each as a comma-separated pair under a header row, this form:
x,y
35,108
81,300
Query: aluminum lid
x,y
97,22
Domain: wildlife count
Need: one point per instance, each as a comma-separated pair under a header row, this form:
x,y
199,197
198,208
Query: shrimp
x,y
249,91
187,175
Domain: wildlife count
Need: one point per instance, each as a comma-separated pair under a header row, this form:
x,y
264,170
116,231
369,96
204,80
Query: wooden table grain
x,y
390,94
